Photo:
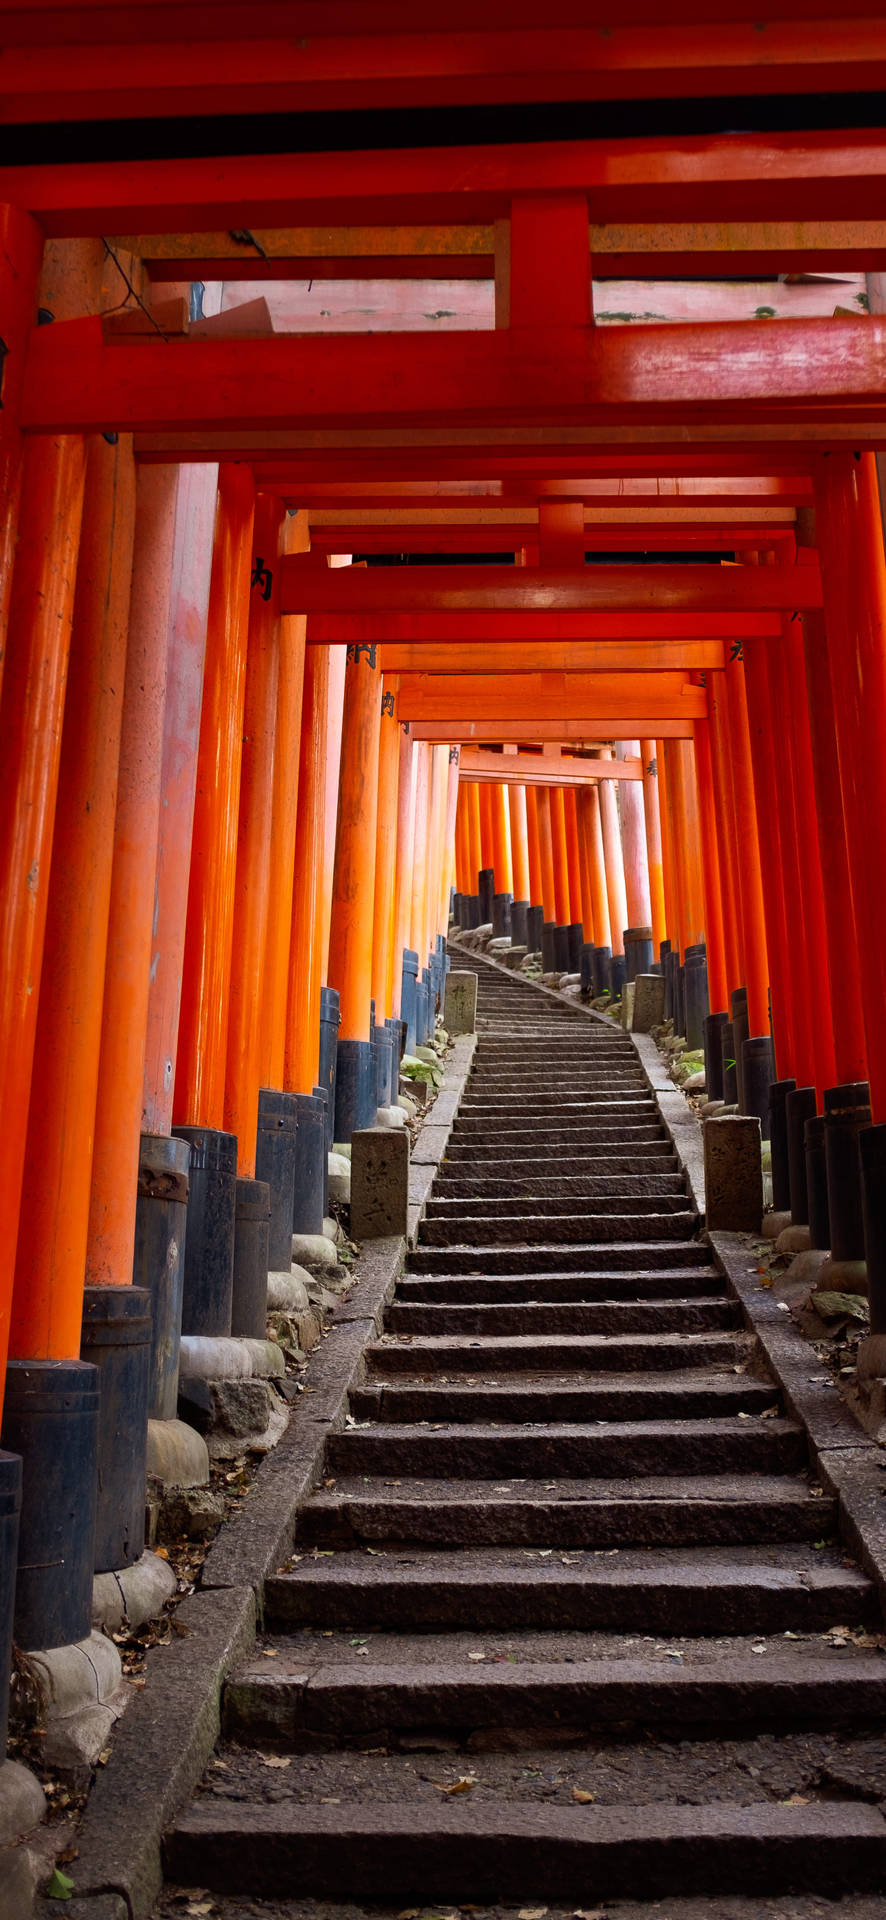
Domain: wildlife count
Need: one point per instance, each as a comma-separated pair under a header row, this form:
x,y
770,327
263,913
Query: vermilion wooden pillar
x,y
561,858
405,848
633,840
653,844
773,839
612,855
301,1064
854,580
474,835
253,877
131,911
756,965
334,715
722,786
584,856
573,855
501,839
519,840
589,806
694,867
287,742
546,851
419,886
713,902
487,836
669,876
822,994
462,853
536,889
675,801
21,252
206,972
448,876
850,1046
51,1258
385,850
350,937
188,599
436,836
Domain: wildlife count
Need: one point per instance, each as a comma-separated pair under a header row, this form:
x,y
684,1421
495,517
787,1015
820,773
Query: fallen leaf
x,y
162,1553
795,1800
270,1653
770,1413
476,1656
60,1885
409,1913
275,1759
582,1797
532,1913
462,1785
759,1648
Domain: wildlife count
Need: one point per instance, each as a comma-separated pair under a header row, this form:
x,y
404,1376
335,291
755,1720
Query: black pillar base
x,y
407,1000
520,923
575,934
10,1510
638,951
778,1144
741,1030
730,1069
161,1218
713,1054
485,889
617,975
697,1003
116,1338
758,1067
799,1106
872,1155
534,922
252,1224
587,969
275,1164
51,1421
501,914
311,1164
548,952
847,1110
209,1245
355,1101
602,957
561,949
329,1025
817,1182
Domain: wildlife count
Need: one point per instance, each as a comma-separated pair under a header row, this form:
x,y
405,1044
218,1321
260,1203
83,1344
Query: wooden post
x,y
350,934
756,966
614,864
546,851
284,804
475,838
633,840
385,851
718,993
487,835
21,252
419,889
722,790
501,839
405,847
573,855
206,970
301,1064
846,999
653,844
536,888
334,716
561,857
589,814
519,840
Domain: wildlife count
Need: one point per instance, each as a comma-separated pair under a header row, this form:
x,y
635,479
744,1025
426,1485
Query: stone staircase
x,y
568,1619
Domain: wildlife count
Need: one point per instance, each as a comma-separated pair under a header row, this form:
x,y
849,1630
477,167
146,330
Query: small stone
x,y
407,1105
239,1406
22,1802
192,1513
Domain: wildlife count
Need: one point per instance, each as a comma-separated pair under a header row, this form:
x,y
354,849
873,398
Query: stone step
x,y
667,1591
575,1450
606,1156
311,1692
565,1317
590,1185
552,1205
639,1255
529,1229
674,1510
605,1143
681,1395
388,1854
592,1353
686,1282
597,1103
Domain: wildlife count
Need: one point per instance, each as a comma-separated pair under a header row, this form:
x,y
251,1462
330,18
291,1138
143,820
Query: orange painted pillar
x,y
561,857
592,825
778,848
118,1117
573,855
487,833
694,868
196,490
405,849
51,1257
418,915
21,253
824,996
790,827
301,1062
854,580
533,845
436,829
519,840
462,856
475,837
614,864
334,716
633,840
206,970
718,993
669,877
850,1045
253,877
673,796
546,852
654,862
40,616
501,839
449,837
284,805
385,851
753,914
350,933
722,786
584,856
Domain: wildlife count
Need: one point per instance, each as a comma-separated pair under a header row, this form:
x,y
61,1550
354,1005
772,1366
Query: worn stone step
x,y
576,1450
599,1103
588,1185
530,1229
559,1132
667,1591
575,1085
674,1510
553,1206
592,1353
686,1282
306,1692
565,1317
532,1396
394,1853
606,1156
639,1256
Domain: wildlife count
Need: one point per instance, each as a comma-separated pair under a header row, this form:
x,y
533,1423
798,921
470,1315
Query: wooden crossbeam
x,y
518,628
77,381
546,591
549,696
576,730
576,656
543,770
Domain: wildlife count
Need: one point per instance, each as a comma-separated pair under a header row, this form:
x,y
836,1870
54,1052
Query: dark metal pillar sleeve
x,y
730,1073
501,915
561,949
407,1000
116,1338
161,1218
872,1154
602,957
576,936
534,924
355,1098
275,1167
587,969
713,1054
758,1067
800,1106
50,1419
616,975
209,1243
817,1182
486,889
548,948
10,1511
249,1307
330,1020
847,1110
742,1031
778,1143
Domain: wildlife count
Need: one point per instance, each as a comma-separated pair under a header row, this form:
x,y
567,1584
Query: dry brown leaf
x,y
462,1785
532,1913
583,1798
275,1759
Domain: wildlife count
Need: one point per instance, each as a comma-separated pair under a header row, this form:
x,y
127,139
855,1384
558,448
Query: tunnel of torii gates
x,y
311,618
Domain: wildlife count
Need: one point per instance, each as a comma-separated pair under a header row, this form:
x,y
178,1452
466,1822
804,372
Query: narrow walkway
x,y
559,1625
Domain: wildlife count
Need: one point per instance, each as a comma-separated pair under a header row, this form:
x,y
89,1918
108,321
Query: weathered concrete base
x,y
807,1266
844,1276
773,1223
794,1240
733,1174
390,1117
339,1179
711,1107
648,1010
22,1803
288,1292
314,1251
227,1446
206,1358
85,1695
627,1005
379,1184
139,1593
177,1455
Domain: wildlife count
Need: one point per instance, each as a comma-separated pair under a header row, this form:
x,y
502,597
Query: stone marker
x,y
628,997
460,1003
733,1173
379,1183
649,992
